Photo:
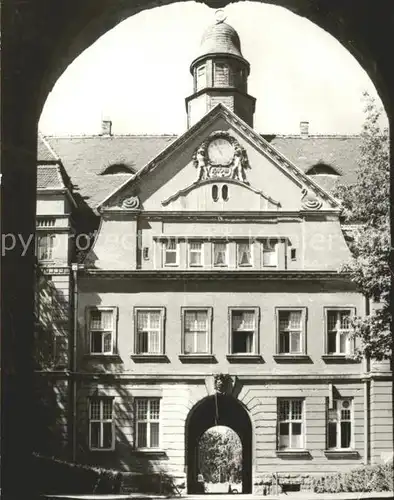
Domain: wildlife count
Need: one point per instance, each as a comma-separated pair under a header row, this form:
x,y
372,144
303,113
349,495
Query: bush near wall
x,y
53,476
362,479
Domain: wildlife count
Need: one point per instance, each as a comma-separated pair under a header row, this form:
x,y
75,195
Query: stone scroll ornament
x,y
221,157
131,203
309,200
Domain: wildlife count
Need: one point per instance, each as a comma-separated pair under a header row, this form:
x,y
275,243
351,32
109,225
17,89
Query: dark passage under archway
x,y
218,410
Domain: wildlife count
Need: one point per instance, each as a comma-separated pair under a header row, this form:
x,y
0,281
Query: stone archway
x,y
219,409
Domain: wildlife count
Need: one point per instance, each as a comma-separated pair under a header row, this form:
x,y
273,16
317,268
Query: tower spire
x,y
220,74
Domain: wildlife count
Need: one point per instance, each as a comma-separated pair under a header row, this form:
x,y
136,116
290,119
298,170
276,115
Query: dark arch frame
x,y
231,413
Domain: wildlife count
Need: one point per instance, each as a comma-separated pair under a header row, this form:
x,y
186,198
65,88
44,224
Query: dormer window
x,y
201,78
270,254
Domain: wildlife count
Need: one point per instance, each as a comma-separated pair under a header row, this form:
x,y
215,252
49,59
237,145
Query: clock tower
x,y
220,75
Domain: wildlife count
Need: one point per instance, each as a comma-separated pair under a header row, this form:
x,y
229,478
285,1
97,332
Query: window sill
x,y
338,454
102,357
302,454
149,451
244,358
197,358
338,358
101,450
292,358
149,358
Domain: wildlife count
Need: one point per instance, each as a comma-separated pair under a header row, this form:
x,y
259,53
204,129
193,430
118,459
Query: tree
x,y
366,205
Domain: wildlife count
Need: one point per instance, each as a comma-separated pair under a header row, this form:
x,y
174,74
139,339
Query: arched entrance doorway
x,y
223,410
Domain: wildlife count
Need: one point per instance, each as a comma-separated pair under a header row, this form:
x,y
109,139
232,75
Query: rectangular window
x,y
220,254
147,422
243,331
221,75
270,254
101,424
45,245
171,253
291,332
244,254
149,331
196,331
101,331
339,425
338,324
201,80
290,424
195,253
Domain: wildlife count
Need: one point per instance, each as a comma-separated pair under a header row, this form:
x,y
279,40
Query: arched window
x,y
215,193
322,169
225,192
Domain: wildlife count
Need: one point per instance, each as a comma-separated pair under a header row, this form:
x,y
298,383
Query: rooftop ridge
x,y
121,136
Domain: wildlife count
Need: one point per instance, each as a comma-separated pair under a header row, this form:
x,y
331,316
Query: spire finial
x,y
220,16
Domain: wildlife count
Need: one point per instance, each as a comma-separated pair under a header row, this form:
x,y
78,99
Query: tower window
x,y
201,79
225,192
221,75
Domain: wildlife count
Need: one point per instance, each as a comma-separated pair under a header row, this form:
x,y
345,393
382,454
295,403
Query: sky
x,y
138,75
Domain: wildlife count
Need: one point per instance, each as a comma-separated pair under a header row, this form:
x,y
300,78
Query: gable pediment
x,y
220,154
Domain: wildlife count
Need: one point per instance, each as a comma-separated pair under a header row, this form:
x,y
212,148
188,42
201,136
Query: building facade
x,y
199,284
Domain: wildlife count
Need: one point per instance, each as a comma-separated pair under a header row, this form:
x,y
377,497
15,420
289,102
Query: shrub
x,y
362,479
53,476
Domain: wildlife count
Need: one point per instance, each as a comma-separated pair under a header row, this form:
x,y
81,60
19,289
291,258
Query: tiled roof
x,y
44,151
49,177
85,158
339,152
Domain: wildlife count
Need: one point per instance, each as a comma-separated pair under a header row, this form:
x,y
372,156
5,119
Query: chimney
x,y
106,126
304,129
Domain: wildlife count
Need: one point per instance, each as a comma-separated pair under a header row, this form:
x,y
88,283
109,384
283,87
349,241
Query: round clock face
x,y
220,152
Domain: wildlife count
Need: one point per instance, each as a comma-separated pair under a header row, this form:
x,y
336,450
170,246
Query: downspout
x,y
74,268
366,369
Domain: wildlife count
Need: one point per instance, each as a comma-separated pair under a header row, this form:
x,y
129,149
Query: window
x,y
101,330
101,424
338,331
221,75
196,331
147,422
45,247
225,192
149,331
293,254
170,253
215,192
290,424
220,254
196,254
243,331
291,332
244,254
270,254
339,425
201,78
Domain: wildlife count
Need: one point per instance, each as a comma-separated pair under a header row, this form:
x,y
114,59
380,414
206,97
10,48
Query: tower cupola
x,y
220,75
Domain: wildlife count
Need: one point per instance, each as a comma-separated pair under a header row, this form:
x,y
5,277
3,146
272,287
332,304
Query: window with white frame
x,y
338,323
149,331
291,326
290,424
196,256
201,79
101,330
244,254
101,424
45,244
196,331
147,422
171,252
243,331
339,425
270,254
220,254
